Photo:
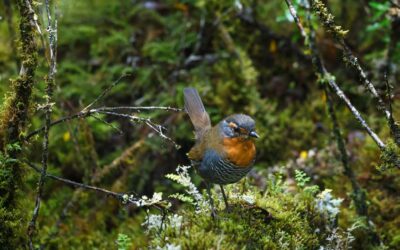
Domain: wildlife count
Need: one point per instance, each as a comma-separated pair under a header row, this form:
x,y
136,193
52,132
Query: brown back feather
x,y
196,111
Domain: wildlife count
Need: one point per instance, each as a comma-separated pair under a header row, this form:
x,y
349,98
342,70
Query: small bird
x,y
224,153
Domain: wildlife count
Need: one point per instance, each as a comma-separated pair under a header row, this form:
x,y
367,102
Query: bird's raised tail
x,y
196,111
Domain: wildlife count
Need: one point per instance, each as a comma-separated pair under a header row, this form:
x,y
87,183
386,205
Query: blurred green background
x,y
243,57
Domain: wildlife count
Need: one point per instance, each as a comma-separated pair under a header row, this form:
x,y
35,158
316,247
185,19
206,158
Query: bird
x,y
224,153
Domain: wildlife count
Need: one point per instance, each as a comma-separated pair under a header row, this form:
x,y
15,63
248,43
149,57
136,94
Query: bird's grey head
x,y
238,125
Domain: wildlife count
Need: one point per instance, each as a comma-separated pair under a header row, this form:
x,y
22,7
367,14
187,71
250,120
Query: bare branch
x,y
138,109
122,197
296,18
87,113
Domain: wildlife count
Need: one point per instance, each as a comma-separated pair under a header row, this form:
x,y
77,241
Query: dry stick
x,y
355,112
87,113
359,196
138,109
328,23
296,18
52,30
332,83
83,114
155,127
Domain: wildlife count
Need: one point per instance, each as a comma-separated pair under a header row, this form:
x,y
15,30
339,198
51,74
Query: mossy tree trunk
x,y
12,123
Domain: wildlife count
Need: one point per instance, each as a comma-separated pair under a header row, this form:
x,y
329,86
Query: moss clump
x,y
390,156
327,19
275,219
12,122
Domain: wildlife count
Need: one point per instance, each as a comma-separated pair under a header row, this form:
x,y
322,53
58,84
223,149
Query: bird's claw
x,y
228,209
214,214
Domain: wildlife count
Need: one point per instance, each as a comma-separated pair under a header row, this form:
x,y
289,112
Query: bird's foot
x,y
214,214
228,209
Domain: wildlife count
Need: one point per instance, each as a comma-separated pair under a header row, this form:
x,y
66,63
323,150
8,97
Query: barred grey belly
x,y
216,170
223,172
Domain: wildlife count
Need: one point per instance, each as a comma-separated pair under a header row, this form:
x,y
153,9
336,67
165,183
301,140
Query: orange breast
x,y
239,151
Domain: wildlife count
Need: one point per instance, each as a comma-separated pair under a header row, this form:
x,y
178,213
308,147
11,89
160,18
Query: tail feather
x,y
196,111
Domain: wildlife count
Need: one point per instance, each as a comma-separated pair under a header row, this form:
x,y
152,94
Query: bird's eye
x,y
236,129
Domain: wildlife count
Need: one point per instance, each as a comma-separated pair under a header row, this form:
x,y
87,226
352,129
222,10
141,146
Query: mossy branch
x,y
16,106
12,123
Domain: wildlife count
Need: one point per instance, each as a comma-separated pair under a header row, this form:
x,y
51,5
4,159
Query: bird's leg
x,y
225,197
213,213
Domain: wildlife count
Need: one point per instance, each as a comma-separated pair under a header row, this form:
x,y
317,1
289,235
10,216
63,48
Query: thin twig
x,y
105,92
296,18
108,124
356,113
87,113
154,126
139,108
122,197
50,81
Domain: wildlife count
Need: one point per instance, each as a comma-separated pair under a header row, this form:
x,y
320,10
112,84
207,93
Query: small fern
x,y
123,242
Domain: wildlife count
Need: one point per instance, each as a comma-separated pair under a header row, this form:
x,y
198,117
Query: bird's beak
x,y
254,134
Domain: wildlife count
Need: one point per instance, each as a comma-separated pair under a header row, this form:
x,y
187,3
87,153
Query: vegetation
x,y
93,138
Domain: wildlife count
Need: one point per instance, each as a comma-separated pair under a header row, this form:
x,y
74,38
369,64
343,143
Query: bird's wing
x,y
196,111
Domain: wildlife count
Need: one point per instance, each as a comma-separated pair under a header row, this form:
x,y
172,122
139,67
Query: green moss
x,y
327,19
12,123
390,156
275,219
